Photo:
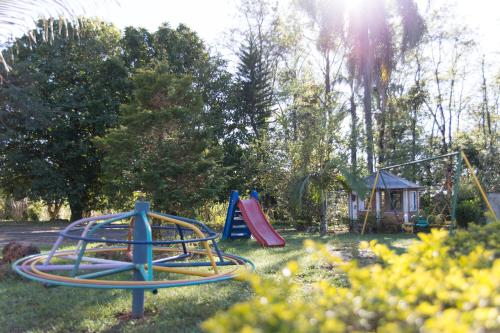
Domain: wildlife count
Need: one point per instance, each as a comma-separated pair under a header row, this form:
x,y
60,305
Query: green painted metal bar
x,y
78,261
140,257
149,238
419,161
456,189
142,270
90,233
106,272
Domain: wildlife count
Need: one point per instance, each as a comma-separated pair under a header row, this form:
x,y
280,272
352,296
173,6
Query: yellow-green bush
x,y
422,290
465,241
213,214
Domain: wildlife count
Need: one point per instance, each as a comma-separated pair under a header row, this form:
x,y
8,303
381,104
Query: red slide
x,y
258,224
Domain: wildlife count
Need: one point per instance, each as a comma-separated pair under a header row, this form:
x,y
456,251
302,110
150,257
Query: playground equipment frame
x,y
460,156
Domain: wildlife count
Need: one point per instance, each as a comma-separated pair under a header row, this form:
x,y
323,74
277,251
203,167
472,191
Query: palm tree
x,y
365,28
370,36
331,175
20,17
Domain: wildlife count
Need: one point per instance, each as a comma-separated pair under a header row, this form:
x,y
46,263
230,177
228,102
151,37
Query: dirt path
x,y
40,235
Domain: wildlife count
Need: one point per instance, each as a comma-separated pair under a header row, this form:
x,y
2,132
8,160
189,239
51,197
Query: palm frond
x,y
18,18
352,182
298,189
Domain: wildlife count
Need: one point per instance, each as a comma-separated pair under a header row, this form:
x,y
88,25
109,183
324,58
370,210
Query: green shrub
x,y
440,219
213,214
465,241
470,210
422,290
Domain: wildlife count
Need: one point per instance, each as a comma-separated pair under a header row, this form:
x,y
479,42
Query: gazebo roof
x,y
389,181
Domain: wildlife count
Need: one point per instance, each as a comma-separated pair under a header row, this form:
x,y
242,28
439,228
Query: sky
x,y
211,19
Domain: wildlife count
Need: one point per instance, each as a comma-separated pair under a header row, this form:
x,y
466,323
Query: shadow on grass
x,y
184,309
29,306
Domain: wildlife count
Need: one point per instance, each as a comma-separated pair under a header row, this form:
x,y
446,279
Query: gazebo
x,y
396,199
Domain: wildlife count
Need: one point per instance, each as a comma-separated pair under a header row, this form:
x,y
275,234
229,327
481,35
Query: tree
x,y
54,102
138,48
21,17
161,147
370,39
254,92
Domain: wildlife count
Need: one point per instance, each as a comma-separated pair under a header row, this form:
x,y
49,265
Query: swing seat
x,y
422,222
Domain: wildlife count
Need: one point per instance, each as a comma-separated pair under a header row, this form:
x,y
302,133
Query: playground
x,y
251,166
29,306
143,270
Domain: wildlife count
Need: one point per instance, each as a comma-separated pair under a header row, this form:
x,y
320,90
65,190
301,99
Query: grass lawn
x,y
30,307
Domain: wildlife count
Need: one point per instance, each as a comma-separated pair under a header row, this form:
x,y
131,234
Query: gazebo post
x,y
406,206
377,208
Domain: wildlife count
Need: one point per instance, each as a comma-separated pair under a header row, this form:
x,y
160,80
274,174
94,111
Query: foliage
x,y
213,214
465,241
54,101
161,147
424,289
182,52
254,91
469,211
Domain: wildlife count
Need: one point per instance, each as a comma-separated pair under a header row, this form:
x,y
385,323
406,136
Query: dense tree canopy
x,y
161,146
96,118
56,99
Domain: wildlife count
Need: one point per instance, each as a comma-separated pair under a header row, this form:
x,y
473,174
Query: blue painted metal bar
x,y
193,264
181,235
74,226
143,271
119,241
105,272
254,194
24,271
233,201
218,251
180,256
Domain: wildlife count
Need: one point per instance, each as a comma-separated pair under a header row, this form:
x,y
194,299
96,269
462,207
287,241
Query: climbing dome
x,y
139,250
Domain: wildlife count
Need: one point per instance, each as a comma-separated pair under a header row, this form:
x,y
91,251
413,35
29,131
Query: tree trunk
x,y
380,118
354,131
367,105
328,85
78,204
53,210
414,142
323,226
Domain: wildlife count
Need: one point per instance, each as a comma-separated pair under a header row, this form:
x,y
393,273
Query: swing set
x,y
443,212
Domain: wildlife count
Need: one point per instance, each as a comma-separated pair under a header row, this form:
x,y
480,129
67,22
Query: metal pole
x,y
370,203
456,189
254,194
419,161
140,256
479,187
